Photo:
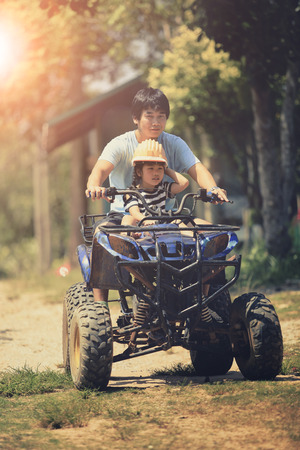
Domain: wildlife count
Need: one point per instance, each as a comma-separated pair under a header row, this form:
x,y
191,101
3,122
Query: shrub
x,y
260,268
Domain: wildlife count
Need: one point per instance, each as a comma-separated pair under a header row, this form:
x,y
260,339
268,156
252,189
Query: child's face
x,y
150,125
151,174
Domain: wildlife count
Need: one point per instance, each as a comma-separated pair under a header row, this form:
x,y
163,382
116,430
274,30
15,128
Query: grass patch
x,y
62,412
177,370
291,362
27,381
287,304
160,417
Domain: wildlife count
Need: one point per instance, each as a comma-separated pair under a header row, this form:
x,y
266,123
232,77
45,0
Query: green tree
x,y
207,90
265,35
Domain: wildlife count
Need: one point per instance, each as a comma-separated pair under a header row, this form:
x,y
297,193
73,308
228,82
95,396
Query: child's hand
x,y
136,234
148,222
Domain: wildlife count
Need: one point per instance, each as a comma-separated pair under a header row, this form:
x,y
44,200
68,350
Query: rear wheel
x,y
91,346
75,296
214,358
221,304
256,337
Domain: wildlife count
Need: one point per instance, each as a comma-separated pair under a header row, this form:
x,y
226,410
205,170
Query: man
x,y
150,112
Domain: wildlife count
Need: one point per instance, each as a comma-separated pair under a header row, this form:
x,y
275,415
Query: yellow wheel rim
x,y
77,348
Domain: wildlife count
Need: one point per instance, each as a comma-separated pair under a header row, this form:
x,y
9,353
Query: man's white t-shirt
x,y
119,151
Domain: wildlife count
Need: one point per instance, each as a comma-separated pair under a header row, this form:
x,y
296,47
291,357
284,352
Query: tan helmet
x,y
149,151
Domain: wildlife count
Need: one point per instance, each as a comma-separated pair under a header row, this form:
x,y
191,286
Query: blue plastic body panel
x,y
84,254
174,246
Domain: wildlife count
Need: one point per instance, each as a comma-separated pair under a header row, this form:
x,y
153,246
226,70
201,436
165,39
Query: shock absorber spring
x,y
205,315
142,312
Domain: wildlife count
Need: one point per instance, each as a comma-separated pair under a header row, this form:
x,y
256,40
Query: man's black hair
x,y
150,98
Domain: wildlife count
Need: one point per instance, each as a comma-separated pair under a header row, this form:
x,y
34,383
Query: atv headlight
x,y
213,245
218,245
123,246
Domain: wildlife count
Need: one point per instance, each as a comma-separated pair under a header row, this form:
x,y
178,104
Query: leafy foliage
x,y
265,36
195,77
265,32
209,92
15,187
259,268
18,248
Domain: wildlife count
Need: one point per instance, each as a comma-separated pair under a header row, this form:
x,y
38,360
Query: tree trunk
x,y
42,222
274,221
287,138
253,190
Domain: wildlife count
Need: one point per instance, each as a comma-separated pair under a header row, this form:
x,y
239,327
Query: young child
x,y
150,165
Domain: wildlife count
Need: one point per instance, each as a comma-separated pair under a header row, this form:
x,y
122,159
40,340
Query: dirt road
x,y
30,334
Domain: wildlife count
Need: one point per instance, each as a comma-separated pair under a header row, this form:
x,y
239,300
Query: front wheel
x,y
91,346
76,295
256,337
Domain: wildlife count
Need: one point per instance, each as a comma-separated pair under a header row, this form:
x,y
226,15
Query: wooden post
x,y
42,226
95,147
78,200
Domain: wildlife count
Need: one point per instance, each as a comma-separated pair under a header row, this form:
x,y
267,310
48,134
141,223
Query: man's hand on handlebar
x,y
218,194
97,192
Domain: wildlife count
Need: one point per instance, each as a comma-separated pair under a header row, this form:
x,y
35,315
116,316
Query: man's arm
x,y
99,174
205,180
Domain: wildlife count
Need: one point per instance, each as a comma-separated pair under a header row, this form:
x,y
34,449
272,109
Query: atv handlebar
x,y
201,194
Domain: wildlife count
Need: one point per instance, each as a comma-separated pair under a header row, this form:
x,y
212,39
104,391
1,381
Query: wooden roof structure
x,y
83,118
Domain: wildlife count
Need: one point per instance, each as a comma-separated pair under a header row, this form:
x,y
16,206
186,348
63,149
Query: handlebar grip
x,y
206,196
211,197
107,192
110,192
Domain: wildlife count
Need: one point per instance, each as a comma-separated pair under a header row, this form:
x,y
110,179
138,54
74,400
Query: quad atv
x,y
160,275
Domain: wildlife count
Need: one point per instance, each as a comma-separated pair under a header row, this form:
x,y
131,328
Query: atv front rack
x,y
204,267
159,265
88,223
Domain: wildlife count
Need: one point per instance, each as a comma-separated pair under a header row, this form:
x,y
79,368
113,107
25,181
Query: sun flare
x,y
11,49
